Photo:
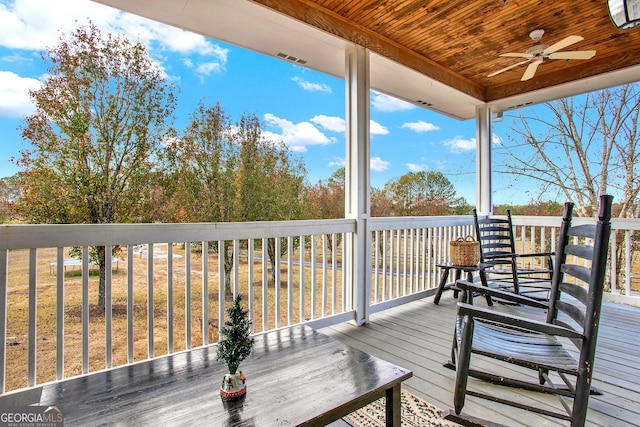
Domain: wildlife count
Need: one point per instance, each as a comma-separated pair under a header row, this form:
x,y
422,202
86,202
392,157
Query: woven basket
x,y
464,251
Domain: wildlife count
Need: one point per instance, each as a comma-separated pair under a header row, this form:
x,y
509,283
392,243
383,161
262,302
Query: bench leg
x,y
393,414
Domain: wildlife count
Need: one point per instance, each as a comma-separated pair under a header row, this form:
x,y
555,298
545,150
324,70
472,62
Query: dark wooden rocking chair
x,y
572,317
501,264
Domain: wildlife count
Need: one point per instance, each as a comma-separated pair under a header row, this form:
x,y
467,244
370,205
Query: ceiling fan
x,y
539,51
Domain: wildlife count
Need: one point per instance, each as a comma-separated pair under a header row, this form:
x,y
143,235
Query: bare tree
x,y
578,148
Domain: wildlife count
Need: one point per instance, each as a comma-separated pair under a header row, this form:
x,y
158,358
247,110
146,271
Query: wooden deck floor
x,y
418,336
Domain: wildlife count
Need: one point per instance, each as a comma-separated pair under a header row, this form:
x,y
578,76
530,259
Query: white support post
x,y
483,160
357,181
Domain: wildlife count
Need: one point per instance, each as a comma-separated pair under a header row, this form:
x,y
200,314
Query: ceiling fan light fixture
x,y
625,14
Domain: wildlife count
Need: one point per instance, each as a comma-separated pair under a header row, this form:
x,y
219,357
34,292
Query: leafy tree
x,y
422,193
229,172
381,205
96,135
325,200
9,195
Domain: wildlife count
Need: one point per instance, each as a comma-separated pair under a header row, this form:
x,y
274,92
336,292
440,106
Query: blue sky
x,y
302,107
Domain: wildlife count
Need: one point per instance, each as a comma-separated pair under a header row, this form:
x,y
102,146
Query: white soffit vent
x,y
291,58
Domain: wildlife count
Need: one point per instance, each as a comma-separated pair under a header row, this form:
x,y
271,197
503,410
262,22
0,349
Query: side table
x,y
458,269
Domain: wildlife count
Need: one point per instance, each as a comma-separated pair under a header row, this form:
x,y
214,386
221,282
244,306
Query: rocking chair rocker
x,y
572,317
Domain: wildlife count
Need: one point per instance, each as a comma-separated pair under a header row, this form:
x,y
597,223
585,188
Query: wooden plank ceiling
x,y
458,42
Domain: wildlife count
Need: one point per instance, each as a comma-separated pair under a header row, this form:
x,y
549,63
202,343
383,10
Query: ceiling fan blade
x,y
508,68
531,70
567,41
578,54
517,55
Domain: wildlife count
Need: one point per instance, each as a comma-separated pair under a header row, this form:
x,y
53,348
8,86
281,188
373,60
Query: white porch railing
x,y
164,296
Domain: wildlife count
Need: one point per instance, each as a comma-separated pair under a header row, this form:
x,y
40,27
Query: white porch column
x,y
357,198
483,161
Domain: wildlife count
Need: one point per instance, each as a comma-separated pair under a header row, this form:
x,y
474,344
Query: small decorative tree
x,y
235,346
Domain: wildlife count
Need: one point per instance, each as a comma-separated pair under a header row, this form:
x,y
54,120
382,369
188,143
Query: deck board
x,y
418,336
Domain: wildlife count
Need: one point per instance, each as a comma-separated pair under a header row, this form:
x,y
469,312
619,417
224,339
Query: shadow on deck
x,y
418,336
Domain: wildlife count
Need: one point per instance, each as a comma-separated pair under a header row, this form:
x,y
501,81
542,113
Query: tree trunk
x,y
101,260
228,267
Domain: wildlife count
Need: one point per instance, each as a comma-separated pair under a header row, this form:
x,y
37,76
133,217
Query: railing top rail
x,y
407,222
66,235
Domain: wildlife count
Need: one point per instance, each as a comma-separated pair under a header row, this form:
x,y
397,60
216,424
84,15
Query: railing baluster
x,y
334,273
236,267
85,309
302,281
376,267
108,306
150,301
276,280
432,259
422,258
265,287
170,298
130,305
4,287
397,260
204,324
313,276
250,280
290,248
324,275
33,262
345,297
627,262
59,317
411,261
221,292
187,295
384,256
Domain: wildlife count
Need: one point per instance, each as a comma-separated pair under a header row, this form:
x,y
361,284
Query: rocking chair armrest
x,y
497,293
489,259
536,254
510,320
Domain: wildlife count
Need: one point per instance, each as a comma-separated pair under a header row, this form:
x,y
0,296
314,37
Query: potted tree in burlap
x,y
235,345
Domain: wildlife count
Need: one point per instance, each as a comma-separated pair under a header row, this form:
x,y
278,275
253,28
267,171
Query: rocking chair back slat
x,y
582,251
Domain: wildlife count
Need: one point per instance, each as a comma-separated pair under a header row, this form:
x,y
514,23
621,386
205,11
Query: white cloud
x,y
337,162
312,87
376,128
207,68
297,136
37,24
331,123
414,167
378,165
338,124
459,144
387,104
14,94
420,126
